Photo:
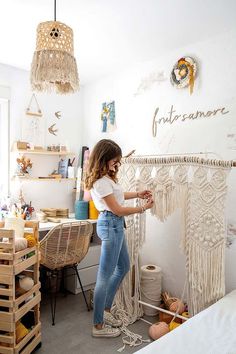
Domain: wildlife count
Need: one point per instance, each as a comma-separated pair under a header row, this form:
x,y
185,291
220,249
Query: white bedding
x,y
212,331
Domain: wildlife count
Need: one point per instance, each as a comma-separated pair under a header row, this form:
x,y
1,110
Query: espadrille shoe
x,y
110,319
105,331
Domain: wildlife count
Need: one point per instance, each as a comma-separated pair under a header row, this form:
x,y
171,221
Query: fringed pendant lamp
x,y
54,67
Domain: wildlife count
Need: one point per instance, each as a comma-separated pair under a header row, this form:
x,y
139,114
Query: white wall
x,y
215,87
43,193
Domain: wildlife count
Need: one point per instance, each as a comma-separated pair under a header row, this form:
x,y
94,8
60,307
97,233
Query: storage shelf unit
x,y
14,308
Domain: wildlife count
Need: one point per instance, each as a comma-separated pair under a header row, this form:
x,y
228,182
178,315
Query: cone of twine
x,y
151,278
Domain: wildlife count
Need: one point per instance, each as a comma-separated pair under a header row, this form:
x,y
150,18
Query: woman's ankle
x,y
98,325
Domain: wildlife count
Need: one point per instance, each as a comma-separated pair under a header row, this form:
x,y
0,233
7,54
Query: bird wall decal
x,y
52,129
58,114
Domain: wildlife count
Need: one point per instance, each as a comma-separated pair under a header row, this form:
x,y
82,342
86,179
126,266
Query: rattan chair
x,y
65,246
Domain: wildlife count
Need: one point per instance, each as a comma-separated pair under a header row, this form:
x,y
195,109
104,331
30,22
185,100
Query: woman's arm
x,y
119,210
130,195
143,195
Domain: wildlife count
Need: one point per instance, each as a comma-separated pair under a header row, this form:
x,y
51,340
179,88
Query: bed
x,y
212,331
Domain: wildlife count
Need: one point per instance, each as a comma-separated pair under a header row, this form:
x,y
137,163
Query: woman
x,y
108,197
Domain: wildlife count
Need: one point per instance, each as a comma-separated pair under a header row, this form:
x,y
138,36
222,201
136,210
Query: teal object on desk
x,y
81,210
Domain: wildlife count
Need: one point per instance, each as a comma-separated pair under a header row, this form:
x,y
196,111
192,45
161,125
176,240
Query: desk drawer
x,y
91,258
88,276
88,279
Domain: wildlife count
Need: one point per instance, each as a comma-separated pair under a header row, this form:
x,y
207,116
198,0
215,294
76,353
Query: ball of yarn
x,y
185,314
26,283
30,240
23,284
173,325
21,331
177,306
158,330
20,244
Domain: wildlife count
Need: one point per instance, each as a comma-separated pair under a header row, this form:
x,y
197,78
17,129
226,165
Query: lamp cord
x,y
55,9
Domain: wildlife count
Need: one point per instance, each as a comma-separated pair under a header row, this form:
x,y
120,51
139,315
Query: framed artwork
x,y
108,117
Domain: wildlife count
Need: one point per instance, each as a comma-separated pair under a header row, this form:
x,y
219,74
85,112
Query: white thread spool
x,y
151,276
16,224
79,176
71,172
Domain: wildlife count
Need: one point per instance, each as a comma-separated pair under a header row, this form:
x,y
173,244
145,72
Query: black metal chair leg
x,y
63,281
53,297
76,270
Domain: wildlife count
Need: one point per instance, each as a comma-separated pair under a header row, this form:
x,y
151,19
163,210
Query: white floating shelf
x,y
43,179
43,152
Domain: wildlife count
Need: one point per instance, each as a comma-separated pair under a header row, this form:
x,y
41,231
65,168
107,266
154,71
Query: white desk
x,y
46,226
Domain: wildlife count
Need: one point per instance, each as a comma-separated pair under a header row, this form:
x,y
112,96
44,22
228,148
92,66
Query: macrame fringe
x,y
167,199
205,274
126,306
129,291
54,70
128,309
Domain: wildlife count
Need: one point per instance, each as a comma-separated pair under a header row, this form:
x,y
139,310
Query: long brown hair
x,y
104,151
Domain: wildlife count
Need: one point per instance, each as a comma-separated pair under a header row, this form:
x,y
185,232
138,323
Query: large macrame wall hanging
x,y
198,187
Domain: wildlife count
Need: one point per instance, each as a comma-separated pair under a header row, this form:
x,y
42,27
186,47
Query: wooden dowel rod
x,y
171,154
148,322
163,310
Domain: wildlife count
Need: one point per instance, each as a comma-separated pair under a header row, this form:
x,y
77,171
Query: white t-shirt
x,y
105,186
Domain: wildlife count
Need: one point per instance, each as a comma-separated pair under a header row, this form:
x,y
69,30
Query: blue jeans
x,y
114,262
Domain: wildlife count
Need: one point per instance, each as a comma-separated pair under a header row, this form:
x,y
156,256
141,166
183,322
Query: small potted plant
x,y
24,166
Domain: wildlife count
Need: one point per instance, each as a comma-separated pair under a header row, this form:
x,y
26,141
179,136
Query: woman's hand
x,y
146,194
148,204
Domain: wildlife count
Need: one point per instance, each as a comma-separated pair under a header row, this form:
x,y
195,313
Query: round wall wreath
x,y
184,73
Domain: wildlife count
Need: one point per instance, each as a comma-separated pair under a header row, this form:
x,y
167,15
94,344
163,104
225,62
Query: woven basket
x,y
54,35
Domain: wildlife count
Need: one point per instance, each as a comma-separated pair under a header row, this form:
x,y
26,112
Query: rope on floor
x,y
132,339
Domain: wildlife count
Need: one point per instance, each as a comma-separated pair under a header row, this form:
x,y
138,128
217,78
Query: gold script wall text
x,y
172,116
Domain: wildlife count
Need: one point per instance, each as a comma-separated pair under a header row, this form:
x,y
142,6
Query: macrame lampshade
x,y
54,67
